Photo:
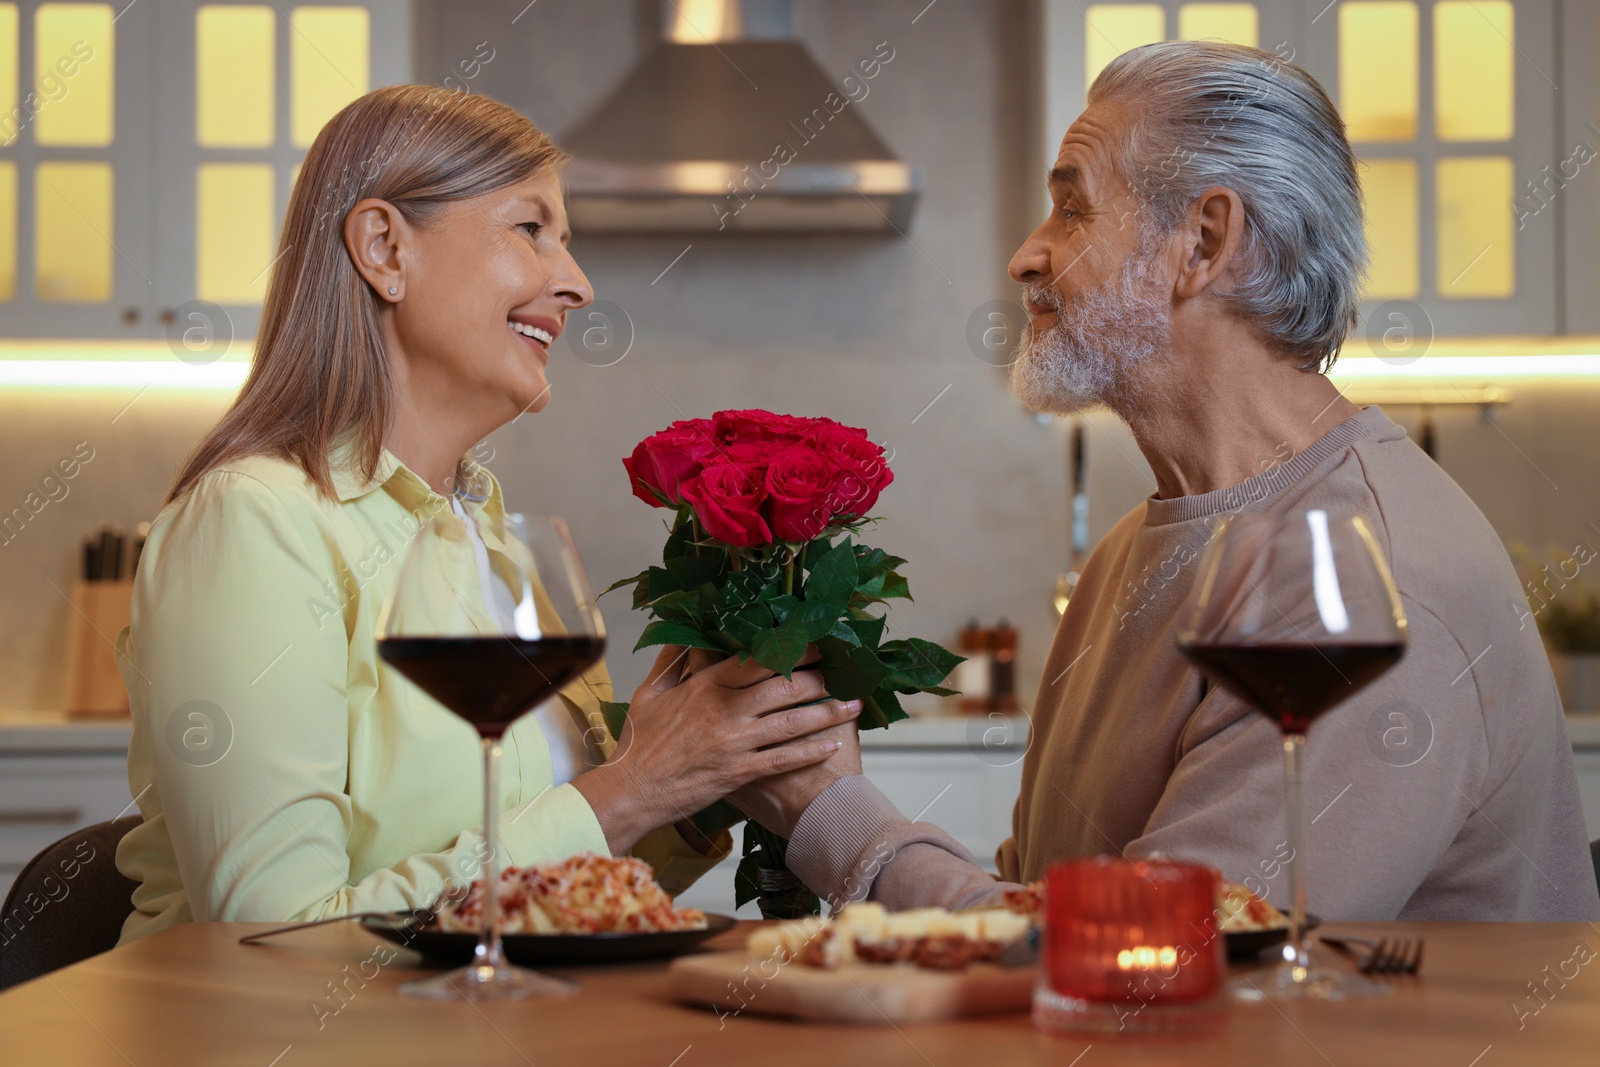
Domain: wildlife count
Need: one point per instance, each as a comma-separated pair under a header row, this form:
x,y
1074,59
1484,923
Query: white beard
x,y
1101,345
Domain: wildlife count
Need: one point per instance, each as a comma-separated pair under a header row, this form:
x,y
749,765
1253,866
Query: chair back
x,y
68,904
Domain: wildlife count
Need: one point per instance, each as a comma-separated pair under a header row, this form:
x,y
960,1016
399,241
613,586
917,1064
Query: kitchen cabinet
x,y
146,161
961,774
56,776
1584,730
1453,110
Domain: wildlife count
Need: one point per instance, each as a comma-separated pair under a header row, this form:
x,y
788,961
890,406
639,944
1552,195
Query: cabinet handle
x,y
40,815
130,316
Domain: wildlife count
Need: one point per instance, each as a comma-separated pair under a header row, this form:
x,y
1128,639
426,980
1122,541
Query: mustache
x,y
1041,294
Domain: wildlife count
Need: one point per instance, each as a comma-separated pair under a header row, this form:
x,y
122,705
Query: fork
x,y
1400,955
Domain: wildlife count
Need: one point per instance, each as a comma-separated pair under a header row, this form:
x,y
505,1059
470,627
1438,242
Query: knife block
x,y
100,611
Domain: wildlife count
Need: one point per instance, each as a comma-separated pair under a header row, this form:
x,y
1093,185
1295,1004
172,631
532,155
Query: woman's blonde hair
x,y
320,369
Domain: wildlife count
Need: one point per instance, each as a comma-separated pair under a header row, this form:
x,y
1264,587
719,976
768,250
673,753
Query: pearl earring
x,y
393,289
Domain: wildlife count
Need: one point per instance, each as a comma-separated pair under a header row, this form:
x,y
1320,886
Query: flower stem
x,y
788,577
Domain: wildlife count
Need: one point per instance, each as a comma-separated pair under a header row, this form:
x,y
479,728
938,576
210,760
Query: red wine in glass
x,y
1294,683
491,619
491,681
1294,613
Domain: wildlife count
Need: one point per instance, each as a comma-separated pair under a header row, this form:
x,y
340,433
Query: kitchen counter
x,y
952,731
38,731
1583,729
53,731
57,775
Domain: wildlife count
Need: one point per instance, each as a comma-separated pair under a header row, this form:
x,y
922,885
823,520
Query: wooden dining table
x,y
1489,994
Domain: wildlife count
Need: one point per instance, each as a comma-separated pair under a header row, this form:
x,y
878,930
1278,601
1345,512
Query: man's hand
x,y
689,742
778,802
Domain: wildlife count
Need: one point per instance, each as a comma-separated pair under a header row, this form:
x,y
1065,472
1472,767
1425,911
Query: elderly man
x,y
1199,270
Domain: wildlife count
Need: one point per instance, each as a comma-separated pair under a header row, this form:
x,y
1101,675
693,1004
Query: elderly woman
x,y
284,771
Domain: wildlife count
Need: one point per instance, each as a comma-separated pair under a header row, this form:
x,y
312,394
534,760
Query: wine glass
x,y
491,619
1294,614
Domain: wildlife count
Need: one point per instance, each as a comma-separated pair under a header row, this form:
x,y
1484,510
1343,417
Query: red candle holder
x,y
1130,947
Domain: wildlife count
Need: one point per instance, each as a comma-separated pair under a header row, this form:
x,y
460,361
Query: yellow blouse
x,y
284,771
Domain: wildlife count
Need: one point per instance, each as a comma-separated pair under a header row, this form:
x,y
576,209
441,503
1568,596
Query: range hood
x,y
739,131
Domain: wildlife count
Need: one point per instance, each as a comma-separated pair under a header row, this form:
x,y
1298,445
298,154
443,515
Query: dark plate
x,y
1246,946
545,950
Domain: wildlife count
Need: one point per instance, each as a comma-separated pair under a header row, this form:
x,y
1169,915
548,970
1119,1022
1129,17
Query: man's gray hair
x,y
1214,114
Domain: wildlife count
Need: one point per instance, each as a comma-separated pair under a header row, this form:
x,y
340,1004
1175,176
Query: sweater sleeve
x,y
853,844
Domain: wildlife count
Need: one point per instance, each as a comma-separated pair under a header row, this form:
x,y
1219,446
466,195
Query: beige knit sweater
x,y
1445,790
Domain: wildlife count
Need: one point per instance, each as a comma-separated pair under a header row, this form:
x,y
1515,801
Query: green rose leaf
x,y
782,607
815,552
693,571
834,578
879,709
616,714
658,582
842,632
868,630
685,605
675,633
895,587
917,663
873,562
747,624
780,649
851,673
619,583
815,618
756,584
680,542
726,642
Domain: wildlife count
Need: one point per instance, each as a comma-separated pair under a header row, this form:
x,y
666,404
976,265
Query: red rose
x,y
750,453
757,426
664,461
727,498
799,489
863,470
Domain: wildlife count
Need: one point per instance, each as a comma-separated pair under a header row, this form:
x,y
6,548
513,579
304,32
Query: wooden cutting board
x,y
738,982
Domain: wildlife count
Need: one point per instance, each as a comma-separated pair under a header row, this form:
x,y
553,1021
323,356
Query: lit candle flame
x,y
1146,957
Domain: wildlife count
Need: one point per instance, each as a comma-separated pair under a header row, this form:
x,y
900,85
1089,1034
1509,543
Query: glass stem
x,y
1294,753
487,956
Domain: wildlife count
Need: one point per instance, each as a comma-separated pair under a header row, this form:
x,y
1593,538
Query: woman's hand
x,y
689,743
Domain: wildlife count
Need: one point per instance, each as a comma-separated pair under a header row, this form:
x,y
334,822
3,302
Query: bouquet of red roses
x,y
761,562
